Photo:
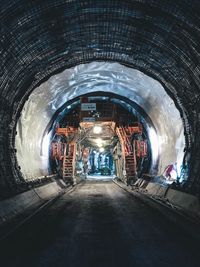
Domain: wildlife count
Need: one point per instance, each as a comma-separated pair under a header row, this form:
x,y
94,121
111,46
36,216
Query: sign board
x,y
88,119
88,106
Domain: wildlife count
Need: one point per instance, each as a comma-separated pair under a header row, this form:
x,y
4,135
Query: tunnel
x,y
95,93
166,142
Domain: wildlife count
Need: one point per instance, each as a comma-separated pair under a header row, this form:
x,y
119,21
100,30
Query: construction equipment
x,y
63,150
131,149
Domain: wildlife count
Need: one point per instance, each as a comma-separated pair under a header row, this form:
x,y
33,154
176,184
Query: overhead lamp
x,y
101,149
97,129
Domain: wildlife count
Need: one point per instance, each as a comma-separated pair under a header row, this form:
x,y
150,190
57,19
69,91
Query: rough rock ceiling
x,y
41,38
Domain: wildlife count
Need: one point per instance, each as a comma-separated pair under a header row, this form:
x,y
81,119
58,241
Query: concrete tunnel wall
x,y
167,141
42,38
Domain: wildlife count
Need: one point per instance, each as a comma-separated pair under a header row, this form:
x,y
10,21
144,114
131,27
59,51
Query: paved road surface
x,y
100,225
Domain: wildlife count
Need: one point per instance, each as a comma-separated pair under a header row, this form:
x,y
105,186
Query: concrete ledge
x,y
9,208
162,191
184,200
156,189
12,207
48,191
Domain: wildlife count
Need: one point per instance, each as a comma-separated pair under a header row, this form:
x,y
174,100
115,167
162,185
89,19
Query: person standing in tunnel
x,y
167,171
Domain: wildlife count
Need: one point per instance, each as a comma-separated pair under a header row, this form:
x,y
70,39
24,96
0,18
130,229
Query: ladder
x,y
125,134
125,139
69,158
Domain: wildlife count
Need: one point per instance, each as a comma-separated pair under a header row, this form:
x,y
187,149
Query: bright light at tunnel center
x,y
101,149
97,129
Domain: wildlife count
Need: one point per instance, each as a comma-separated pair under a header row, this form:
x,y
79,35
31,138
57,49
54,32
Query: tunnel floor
x,y
100,177
100,224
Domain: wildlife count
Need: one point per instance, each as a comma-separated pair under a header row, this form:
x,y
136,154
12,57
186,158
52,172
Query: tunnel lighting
x,y
101,149
97,129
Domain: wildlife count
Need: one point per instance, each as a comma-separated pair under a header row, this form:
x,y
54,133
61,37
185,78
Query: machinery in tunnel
x,y
100,137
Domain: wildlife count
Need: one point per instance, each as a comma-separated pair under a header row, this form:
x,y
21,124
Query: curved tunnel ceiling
x,y
39,39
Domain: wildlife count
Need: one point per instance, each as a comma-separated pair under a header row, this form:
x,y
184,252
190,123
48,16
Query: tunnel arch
x,y
100,77
108,121
134,109
160,39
